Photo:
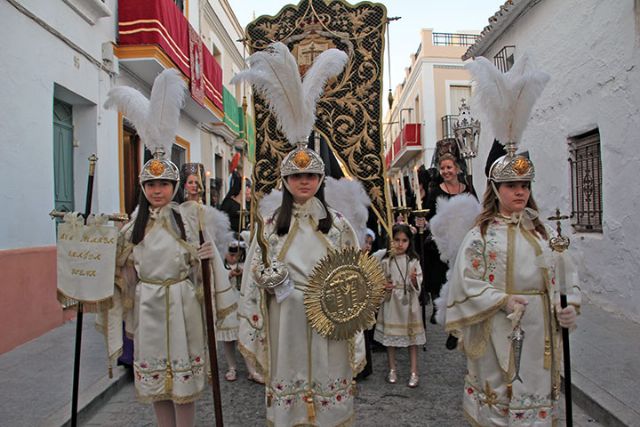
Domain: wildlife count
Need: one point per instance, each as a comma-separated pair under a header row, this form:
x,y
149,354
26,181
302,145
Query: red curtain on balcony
x,y
212,79
161,23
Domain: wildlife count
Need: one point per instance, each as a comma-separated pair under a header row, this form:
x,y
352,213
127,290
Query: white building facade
x,y
582,135
427,102
60,58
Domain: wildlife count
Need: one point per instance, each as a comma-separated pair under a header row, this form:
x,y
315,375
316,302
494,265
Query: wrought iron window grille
x,y
504,59
586,182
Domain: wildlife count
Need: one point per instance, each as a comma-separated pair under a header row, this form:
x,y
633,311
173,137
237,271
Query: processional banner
x,y
86,259
349,114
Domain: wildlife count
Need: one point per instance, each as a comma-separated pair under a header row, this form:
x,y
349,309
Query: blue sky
x,y
446,16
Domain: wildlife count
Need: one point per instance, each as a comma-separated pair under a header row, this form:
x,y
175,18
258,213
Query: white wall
x,y
33,61
590,49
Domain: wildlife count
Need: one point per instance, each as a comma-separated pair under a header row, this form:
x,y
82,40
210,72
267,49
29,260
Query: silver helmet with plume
x,y
274,73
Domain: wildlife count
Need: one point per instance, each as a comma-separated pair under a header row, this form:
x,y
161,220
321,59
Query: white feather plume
x,y
131,103
346,196
166,101
505,100
329,63
155,120
274,73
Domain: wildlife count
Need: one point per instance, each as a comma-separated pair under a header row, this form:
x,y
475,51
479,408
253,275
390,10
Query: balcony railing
x,y
145,24
447,126
454,39
406,143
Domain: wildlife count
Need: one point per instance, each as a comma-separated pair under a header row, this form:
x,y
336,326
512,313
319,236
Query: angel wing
x,y
455,217
269,203
219,228
350,199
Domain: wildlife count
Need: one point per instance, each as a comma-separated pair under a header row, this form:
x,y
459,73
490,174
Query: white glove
x,y
566,316
205,251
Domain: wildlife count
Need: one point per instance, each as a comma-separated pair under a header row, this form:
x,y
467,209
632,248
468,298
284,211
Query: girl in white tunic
x,y
308,377
503,281
158,273
500,265
158,280
399,322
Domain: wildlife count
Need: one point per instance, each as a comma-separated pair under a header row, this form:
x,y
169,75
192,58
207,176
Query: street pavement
x,y
436,402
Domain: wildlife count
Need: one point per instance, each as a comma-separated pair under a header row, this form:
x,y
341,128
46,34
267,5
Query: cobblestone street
x,y
436,402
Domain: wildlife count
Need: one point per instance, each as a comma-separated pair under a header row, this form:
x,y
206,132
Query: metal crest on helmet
x,y
301,160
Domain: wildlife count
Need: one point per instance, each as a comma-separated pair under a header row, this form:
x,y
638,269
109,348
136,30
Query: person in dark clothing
x,y
232,201
435,270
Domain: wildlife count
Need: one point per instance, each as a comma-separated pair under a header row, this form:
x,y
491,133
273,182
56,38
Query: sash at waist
x,y
529,292
166,282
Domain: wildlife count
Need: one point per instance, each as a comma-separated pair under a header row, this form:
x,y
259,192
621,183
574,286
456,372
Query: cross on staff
x,y
559,244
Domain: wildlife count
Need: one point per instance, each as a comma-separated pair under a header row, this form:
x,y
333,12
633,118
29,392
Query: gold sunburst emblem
x,y
156,168
344,292
520,165
302,159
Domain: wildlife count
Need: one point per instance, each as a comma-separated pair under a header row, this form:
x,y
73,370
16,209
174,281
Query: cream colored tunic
x,y
159,295
166,320
400,325
508,260
305,373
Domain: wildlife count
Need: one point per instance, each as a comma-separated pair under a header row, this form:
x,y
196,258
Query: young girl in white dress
x,y
399,322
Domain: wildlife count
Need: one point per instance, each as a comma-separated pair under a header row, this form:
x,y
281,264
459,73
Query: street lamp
x,y
467,133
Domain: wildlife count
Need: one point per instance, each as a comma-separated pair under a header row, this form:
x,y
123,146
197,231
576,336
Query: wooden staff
x,y
211,332
79,317
559,244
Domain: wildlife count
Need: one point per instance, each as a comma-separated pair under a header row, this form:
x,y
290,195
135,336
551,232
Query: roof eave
x,y
509,12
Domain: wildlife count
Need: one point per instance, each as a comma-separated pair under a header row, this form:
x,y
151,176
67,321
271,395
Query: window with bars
x,y
504,59
586,181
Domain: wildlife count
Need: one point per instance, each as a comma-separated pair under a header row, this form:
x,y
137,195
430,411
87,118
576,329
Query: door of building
x,y
63,156
131,167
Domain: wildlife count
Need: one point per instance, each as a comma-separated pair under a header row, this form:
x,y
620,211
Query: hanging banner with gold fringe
x,y
349,114
86,260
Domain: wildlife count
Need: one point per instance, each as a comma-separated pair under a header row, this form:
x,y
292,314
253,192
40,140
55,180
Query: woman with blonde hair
x,y
435,270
